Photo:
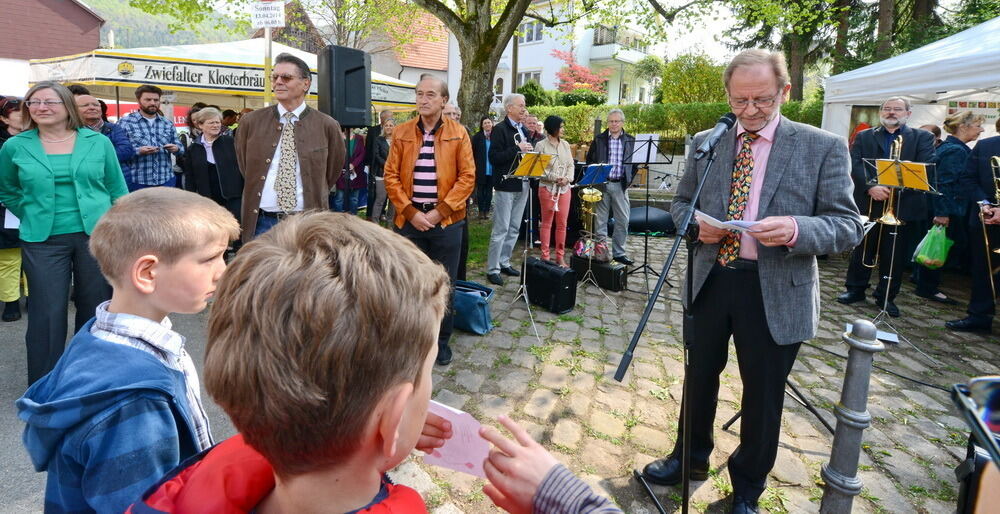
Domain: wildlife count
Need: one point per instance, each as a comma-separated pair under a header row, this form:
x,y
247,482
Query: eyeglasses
x,y
48,103
894,109
760,103
284,76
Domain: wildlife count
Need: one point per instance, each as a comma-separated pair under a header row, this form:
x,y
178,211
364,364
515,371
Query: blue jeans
x,y
132,186
352,203
264,223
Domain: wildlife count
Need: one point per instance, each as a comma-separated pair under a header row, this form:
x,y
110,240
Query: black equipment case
x,y
609,275
550,286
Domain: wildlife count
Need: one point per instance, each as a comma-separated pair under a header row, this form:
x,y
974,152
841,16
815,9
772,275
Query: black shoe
x,y
890,307
850,297
11,311
507,270
667,471
495,278
742,505
444,355
968,325
624,260
935,298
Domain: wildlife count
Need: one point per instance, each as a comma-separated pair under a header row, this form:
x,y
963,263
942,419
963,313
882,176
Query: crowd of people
x,y
102,207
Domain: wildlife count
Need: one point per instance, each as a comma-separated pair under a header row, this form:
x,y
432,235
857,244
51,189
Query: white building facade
x,y
614,48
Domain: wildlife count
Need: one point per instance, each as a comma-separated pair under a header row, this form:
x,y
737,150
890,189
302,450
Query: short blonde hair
x,y
755,56
163,221
203,115
956,120
313,323
73,122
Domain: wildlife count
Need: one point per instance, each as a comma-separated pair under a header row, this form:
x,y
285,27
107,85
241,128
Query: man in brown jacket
x,y
429,175
290,154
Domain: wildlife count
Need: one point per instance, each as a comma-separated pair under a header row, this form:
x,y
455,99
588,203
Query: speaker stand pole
x,y
522,290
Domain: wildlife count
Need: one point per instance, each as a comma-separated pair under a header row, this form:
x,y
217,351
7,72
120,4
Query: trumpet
x,y
888,217
995,169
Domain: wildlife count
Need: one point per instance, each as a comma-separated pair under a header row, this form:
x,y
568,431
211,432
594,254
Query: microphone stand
x,y
688,336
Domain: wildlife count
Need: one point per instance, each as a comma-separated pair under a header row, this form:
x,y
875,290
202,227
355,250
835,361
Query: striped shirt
x,y
561,491
158,340
425,170
615,157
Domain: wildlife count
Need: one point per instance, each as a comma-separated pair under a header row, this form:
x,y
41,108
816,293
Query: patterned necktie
x,y
740,192
284,183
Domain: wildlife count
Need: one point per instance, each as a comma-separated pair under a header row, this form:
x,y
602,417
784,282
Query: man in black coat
x,y
373,133
979,187
911,207
507,142
614,146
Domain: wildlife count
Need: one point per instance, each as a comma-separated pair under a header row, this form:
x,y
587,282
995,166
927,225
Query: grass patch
x,y
601,330
660,394
774,501
540,352
479,242
503,359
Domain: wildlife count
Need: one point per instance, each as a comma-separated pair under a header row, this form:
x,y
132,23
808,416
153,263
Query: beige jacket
x,y
561,165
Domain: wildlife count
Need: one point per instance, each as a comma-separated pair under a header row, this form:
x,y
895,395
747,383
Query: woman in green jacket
x,y
58,178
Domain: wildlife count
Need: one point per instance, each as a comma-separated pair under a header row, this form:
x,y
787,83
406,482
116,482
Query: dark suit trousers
x,y
50,267
982,304
858,275
731,304
442,245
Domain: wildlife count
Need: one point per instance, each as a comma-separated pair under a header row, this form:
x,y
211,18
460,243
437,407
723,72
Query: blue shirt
x,y
153,169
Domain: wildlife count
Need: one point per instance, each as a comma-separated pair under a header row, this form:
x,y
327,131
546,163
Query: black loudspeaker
x,y
345,85
549,286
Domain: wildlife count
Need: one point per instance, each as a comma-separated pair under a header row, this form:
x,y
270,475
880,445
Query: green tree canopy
x,y
692,78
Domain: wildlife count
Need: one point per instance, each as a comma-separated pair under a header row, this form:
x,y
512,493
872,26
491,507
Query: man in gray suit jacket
x,y
761,288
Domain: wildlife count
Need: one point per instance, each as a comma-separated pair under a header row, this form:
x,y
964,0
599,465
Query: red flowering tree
x,y
574,76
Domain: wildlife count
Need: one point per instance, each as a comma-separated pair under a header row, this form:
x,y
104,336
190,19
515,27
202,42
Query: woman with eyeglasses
x,y
58,178
210,167
554,191
10,246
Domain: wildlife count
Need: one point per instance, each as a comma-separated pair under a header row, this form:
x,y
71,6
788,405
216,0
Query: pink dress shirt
x,y
761,149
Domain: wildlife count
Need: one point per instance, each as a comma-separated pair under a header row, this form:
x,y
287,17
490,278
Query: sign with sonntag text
x,y
267,13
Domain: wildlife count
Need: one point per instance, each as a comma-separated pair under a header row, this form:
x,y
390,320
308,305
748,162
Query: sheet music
x,y
737,225
10,221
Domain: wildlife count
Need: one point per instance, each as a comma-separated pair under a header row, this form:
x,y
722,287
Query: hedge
x,y
669,120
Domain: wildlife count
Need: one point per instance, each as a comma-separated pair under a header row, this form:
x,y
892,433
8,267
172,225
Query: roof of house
x,y
87,8
429,49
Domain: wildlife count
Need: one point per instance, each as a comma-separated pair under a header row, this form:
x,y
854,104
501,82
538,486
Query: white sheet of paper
x,y
10,221
466,450
737,225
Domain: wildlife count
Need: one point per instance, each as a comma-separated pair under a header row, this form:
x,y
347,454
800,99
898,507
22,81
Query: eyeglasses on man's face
x,y
287,77
760,103
893,109
34,104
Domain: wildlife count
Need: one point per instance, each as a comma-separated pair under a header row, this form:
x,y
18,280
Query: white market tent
x,y
959,72
230,75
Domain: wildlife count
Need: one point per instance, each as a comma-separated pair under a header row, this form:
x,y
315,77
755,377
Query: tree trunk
x,y
922,10
475,88
796,50
886,18
840,44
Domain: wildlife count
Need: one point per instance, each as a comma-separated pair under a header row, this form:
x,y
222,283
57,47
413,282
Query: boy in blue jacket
x,y
123,404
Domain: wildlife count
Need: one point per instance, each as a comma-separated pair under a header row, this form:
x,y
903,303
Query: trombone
x,y
888,217
995,169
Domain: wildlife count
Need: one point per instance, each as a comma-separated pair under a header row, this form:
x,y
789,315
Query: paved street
x,y
561,388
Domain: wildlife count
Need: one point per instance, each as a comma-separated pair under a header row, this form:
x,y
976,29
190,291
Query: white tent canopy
x,y
227,74
958,72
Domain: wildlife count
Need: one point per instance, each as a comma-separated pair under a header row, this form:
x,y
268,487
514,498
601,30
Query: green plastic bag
x,y
933,249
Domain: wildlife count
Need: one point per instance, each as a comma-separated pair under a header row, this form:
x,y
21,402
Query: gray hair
x,y
755,56
906,103
384,114
510,98
616,111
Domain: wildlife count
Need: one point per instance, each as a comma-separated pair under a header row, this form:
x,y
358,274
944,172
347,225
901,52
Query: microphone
x,y
725,123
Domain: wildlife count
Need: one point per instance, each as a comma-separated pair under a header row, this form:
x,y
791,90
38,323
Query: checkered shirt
x,y
615,158
153,169
158,340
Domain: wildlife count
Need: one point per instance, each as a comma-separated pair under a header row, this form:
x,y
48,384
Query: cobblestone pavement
x,y
560,387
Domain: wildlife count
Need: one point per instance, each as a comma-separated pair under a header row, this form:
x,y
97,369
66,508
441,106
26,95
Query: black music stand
x,y
527,166
593,175
648,150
